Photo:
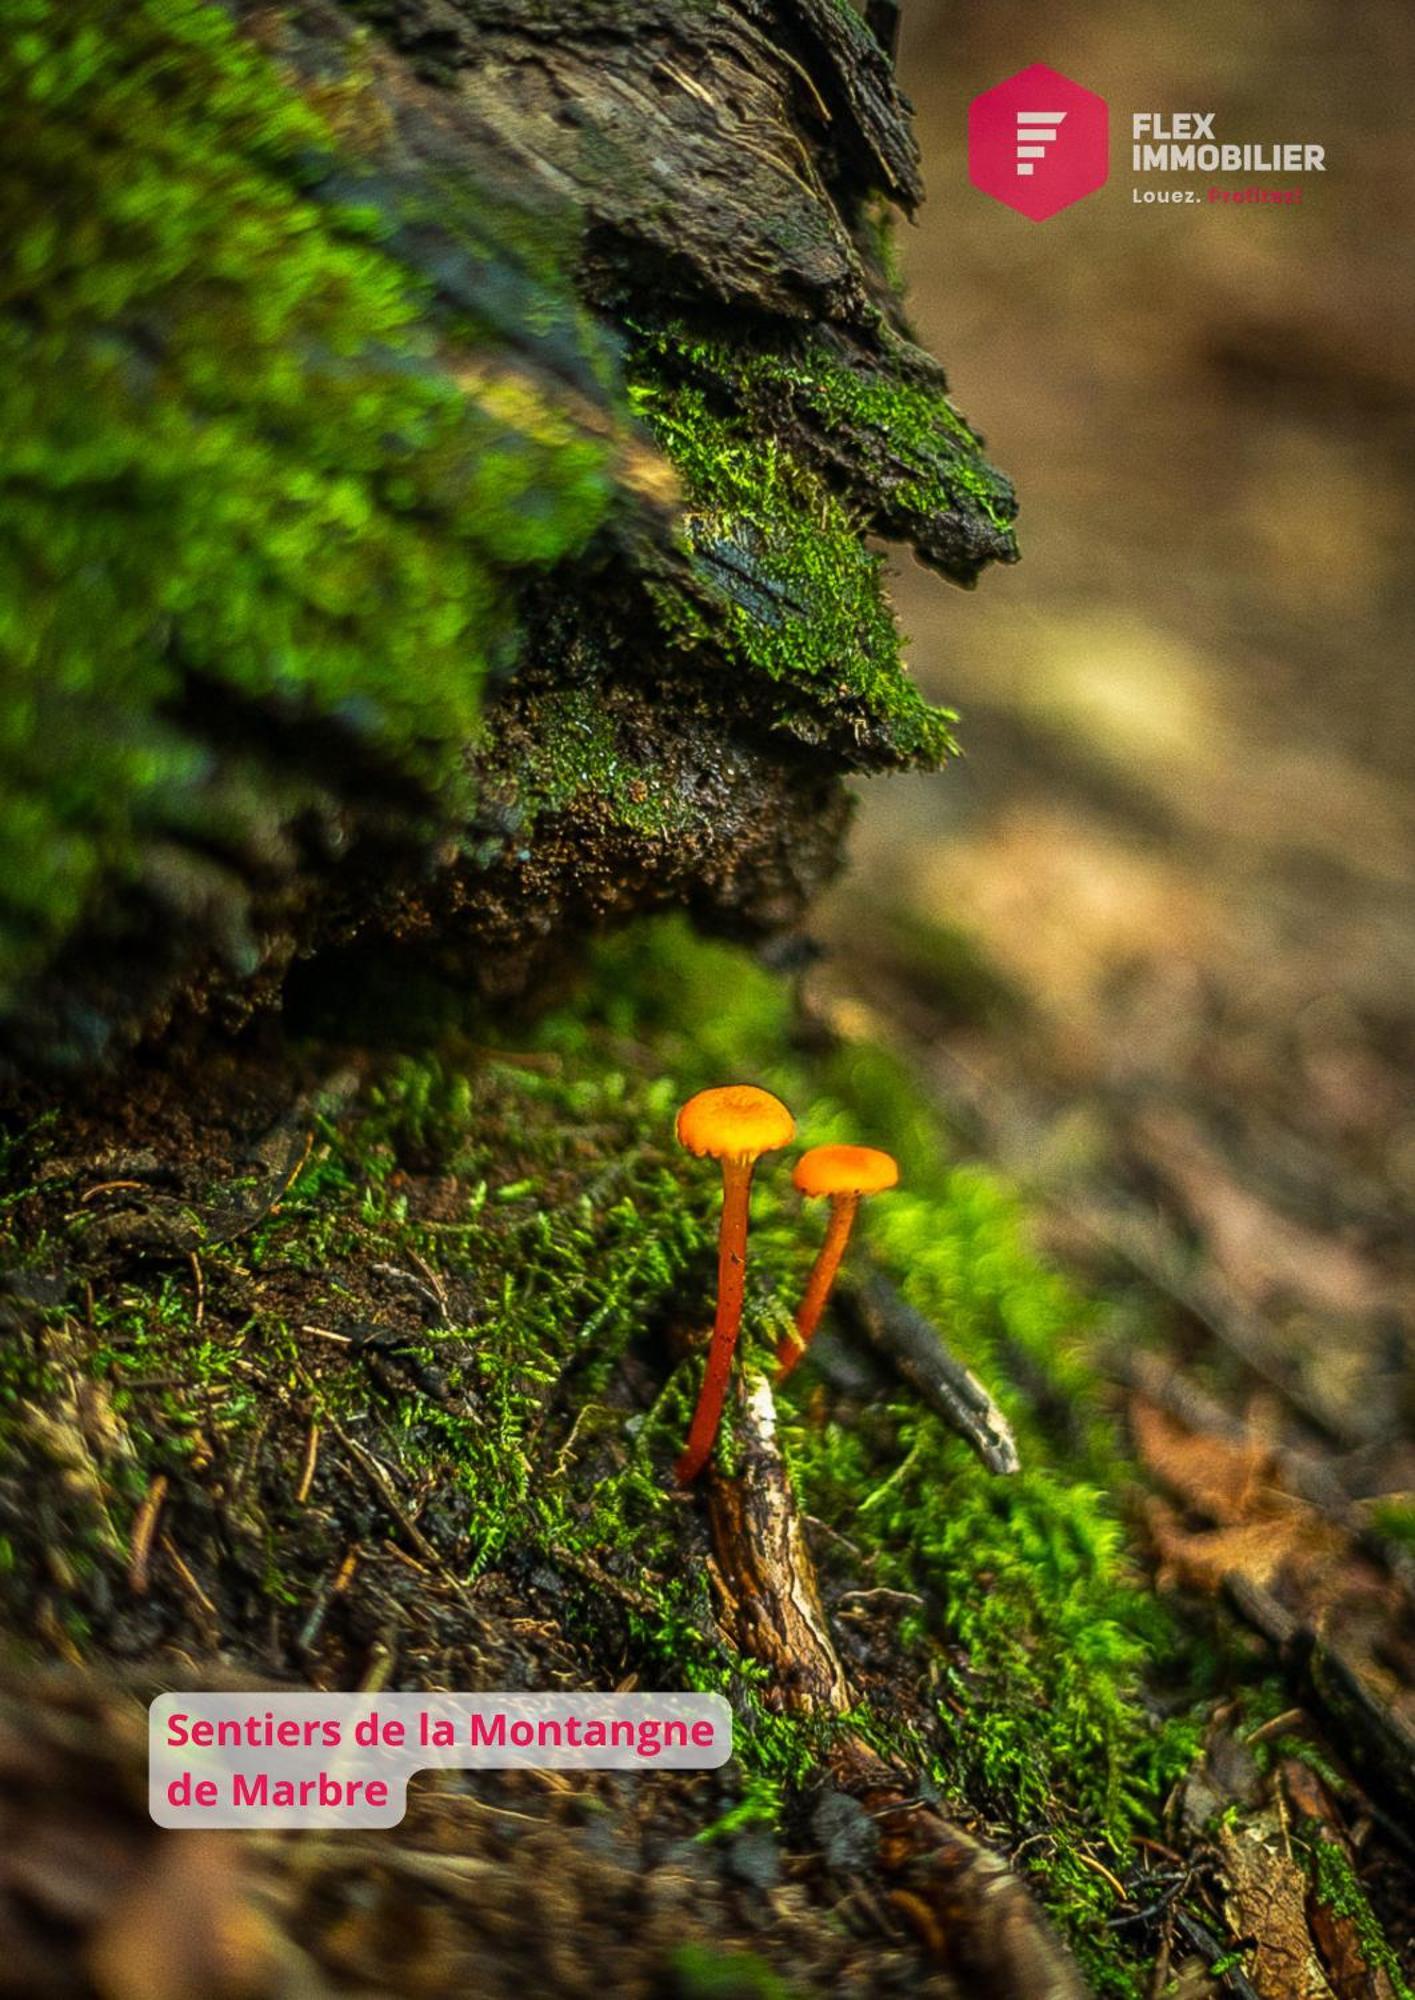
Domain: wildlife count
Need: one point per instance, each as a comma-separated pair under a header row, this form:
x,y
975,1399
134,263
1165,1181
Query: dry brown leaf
x,y
1267,1902
1224,1480
1295,1541
1261,1532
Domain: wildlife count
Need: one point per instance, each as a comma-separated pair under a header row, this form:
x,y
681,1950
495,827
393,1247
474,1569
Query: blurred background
x,y
1154,932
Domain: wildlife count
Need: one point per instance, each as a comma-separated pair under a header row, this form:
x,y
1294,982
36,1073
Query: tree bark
x,y
617,274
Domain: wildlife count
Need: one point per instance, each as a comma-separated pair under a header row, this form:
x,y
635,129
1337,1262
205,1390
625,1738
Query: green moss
x,y
785,573
1336,1886
698,1973
1048,1663
891,439
578,760
291,430
250,447
1036,1636
791,452
939,460
876,229
539,1182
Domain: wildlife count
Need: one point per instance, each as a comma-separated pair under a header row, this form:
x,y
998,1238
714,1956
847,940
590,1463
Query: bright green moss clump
x,y
786,573
249,452
891,437
792,450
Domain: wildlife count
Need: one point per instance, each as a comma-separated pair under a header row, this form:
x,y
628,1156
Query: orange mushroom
x,y
845,1174
736,1125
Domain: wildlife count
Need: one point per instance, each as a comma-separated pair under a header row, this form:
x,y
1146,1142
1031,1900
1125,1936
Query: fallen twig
x,y
380,1483
307,1470
593,1572
433,1295
1211,1949
335,1586
913,1346
189,1583
144,1528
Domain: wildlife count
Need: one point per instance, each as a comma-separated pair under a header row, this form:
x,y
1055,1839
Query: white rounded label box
x,y
286,1761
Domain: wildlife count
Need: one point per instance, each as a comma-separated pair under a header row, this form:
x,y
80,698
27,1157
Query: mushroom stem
x,y
731,1282
837,1235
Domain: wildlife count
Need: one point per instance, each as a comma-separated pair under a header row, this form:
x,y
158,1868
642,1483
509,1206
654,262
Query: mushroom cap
x,y
735,1121
845,1170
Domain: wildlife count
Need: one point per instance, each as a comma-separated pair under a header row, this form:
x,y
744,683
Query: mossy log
x,y
444,439
446,444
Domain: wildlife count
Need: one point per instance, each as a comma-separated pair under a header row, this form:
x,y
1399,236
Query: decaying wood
x,y
576,192
714,185
771,1604
914,1347
1378,1738
969,1911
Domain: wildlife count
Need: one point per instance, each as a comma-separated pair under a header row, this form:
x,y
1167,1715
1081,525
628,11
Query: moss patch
x,y
307,407
1336,1888
781,565
467,1294
883,422
792,448
255,446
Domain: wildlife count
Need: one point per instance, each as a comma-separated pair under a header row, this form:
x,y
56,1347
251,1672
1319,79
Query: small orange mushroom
x,y
736,1125
845,1174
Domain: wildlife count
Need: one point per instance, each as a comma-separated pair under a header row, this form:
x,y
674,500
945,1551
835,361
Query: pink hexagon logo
x,y
1038,142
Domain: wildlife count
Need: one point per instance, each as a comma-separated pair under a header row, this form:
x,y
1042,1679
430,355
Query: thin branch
x,y
915,1349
